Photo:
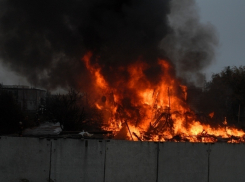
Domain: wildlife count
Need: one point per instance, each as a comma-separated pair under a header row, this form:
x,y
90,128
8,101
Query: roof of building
x,y
20,87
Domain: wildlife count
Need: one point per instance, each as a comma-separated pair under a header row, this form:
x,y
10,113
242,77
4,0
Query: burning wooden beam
x,y
129,130
136,136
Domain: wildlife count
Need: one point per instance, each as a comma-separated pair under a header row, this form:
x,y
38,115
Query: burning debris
x,y
134,58
155,112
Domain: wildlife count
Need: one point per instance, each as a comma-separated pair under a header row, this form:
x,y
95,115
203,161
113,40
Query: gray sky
x,y
228,18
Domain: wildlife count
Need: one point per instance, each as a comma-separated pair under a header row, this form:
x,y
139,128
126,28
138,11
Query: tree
x,y
225,93
72,111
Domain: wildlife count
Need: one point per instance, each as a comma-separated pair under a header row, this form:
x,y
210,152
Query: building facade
x,y
30,99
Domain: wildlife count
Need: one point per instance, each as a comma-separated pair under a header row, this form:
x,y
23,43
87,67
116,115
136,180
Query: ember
x,y
149,111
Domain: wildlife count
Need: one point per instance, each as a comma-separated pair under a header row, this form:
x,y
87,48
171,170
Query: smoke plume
x,y
191,44
44,40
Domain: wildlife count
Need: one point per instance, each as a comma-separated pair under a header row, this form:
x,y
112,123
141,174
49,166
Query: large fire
x,y
137,109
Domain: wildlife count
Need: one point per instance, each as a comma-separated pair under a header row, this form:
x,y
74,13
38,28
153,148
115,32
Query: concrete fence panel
x,y
131,161
77,160
227,162
24,159
183,162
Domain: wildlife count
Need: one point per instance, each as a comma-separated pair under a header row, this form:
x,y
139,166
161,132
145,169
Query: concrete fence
x,y
65,160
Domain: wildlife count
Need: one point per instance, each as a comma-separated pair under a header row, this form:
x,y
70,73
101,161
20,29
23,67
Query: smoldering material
x,y
45,40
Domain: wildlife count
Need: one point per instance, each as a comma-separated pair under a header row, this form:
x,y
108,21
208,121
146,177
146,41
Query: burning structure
x,y
136,59
140,110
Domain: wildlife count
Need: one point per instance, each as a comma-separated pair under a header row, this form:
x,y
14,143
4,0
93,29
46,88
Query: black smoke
x,y
44,40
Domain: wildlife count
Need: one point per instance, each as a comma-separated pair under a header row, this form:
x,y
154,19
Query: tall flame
x,y
147,111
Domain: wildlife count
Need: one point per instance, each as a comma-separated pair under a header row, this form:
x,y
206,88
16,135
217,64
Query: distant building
x,y
28,98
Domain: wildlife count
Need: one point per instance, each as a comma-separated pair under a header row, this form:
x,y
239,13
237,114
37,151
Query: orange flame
x,y
154,112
